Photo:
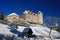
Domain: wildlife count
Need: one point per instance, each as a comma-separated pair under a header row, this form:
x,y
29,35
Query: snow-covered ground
x,y
38,30
4,29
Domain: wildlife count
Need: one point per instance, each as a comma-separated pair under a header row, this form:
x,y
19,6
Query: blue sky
x,y
48,7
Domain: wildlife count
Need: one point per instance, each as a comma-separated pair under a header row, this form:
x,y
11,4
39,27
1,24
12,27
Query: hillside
x,y
38,30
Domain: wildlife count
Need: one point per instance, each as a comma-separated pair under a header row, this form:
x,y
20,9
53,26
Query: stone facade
x,y
32,17
27,16
13,17
40,17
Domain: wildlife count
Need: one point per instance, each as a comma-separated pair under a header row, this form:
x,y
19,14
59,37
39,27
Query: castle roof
x,y
13,14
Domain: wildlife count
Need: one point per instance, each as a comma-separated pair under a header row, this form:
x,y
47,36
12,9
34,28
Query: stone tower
x,y
40,17
31,17
26,15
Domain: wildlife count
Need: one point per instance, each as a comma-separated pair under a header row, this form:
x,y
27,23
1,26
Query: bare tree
x,y
50,22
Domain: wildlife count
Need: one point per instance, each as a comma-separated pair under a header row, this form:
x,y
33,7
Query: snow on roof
x,y
39,12
13,14
26,11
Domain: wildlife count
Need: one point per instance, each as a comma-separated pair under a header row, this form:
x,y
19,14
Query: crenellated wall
x,y
32,17
27,16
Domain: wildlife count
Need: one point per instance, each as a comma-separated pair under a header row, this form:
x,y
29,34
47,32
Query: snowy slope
x,y
38,30
4,29
44,31
41,30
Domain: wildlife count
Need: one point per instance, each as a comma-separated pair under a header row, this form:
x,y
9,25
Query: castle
x,y
27,16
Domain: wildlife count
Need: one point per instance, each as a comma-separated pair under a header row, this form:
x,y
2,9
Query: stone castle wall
x,y
12,18
32,17
27,16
